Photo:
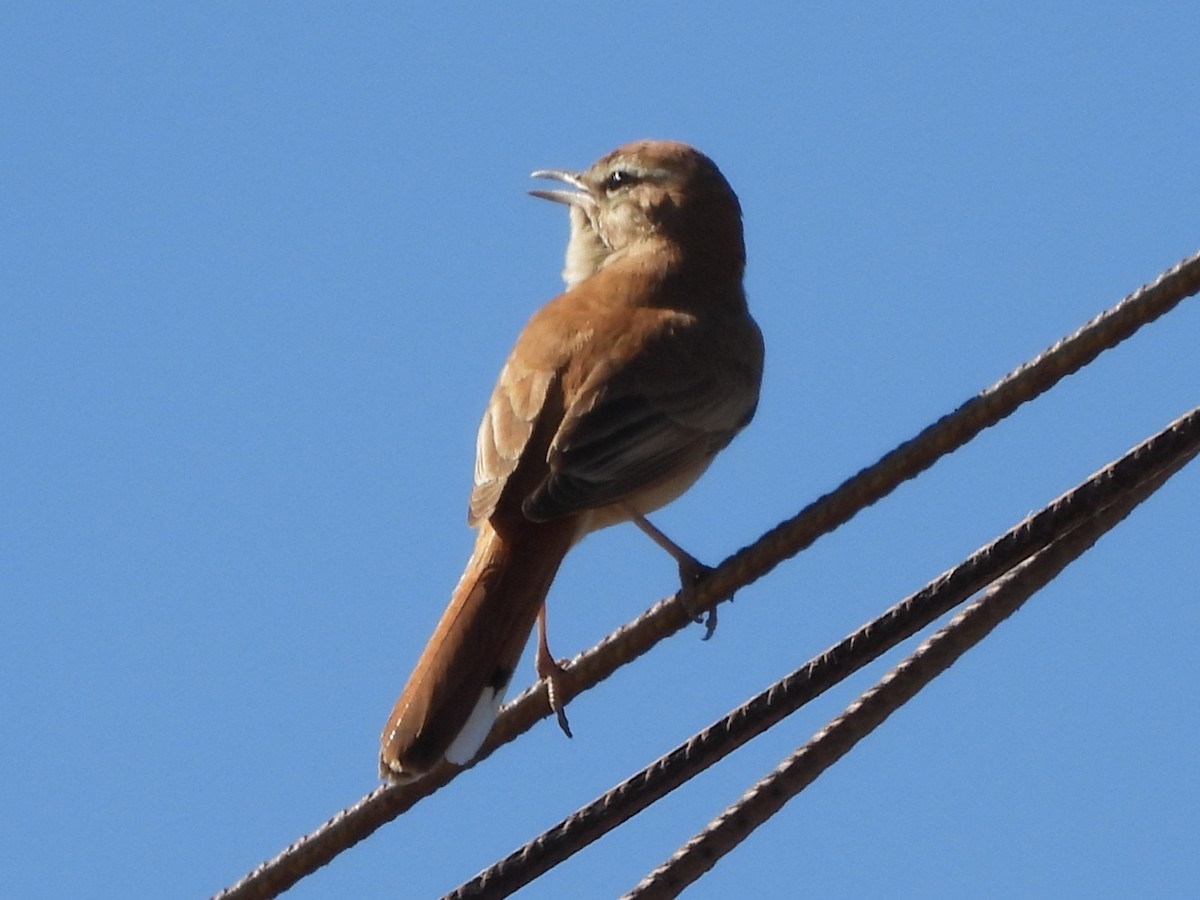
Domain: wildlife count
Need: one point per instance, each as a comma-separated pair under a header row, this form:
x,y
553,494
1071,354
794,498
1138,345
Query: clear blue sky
x,y
260,264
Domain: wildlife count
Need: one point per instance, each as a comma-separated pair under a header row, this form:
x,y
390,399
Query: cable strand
x,y
768,796
1106,489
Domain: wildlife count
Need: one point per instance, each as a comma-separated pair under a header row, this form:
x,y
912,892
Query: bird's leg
x,y
550,671
691,570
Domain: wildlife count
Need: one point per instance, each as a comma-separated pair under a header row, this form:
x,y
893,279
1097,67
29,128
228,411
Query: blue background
x,y
260,264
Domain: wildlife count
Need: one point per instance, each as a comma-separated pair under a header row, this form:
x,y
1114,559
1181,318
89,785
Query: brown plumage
x,y
614,400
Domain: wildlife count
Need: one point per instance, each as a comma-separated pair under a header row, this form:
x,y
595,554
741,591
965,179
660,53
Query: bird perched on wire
x,y
616,397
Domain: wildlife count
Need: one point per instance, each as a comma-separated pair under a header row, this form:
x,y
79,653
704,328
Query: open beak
x,y
580,197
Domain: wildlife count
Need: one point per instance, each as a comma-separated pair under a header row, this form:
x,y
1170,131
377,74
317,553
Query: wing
x,y
512,413
644,417
599,401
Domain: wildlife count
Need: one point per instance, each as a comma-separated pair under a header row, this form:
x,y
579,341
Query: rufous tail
x,y
451,699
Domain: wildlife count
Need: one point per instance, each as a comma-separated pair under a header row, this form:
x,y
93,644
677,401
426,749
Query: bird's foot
x,y
691,572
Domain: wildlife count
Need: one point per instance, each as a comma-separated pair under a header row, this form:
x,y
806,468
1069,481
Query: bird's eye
x,y
620,178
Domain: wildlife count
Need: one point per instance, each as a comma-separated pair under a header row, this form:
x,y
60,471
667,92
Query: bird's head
x,y
648,195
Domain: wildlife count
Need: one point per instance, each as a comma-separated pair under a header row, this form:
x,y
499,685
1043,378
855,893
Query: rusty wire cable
x,y
1074,510
947,434
897,687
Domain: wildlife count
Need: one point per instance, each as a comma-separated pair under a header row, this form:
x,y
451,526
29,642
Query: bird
x,y
615,398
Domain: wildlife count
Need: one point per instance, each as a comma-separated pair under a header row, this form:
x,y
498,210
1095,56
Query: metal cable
x,y
1065,515
874,706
